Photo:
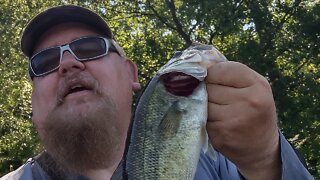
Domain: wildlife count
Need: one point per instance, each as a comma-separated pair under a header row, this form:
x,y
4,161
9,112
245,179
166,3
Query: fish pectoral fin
x,y
207,147
170,122
211,152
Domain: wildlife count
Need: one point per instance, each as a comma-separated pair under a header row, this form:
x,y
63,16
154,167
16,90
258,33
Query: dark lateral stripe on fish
x,y
179,84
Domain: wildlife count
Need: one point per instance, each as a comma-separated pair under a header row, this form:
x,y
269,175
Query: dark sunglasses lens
x,y
46,61
88,48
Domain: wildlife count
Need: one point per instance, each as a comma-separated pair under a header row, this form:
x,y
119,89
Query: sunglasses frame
x,y
66,47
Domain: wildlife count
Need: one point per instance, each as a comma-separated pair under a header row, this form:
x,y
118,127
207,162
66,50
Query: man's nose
x,y
69,64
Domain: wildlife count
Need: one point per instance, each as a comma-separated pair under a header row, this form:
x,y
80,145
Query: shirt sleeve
x,y
292,167
219,169
223,169
29,171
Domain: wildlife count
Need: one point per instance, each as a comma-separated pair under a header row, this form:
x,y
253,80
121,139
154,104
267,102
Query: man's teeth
x,y
76,86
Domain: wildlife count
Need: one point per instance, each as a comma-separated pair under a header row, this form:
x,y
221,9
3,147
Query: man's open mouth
x,y
75,88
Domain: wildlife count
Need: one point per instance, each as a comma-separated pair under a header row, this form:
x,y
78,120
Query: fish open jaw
x,y
179,84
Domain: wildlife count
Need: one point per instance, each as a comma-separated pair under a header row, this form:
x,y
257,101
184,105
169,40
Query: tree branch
x,y
300,66
212,34
159,17
193,27
179,29
266,30
279,26
239,2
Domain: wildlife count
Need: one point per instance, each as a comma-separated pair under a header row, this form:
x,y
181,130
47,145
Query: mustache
x,y
82,79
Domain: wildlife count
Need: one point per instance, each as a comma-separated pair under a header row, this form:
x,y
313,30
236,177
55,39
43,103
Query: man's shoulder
x,y
31,170
18,173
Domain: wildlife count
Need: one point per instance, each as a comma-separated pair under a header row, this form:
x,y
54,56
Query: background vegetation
x,y
277,38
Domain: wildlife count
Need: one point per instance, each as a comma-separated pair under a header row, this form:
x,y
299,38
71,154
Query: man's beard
x,y
87,139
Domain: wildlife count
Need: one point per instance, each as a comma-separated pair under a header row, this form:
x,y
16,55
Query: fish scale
x,y
155,157
168,131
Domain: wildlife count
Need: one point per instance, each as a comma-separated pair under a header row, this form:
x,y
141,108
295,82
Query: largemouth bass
x,y
168,130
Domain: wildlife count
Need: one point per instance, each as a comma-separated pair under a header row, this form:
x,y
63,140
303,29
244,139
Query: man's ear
x,y
133,73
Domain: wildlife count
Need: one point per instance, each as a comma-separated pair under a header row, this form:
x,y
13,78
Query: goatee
x,y
87,139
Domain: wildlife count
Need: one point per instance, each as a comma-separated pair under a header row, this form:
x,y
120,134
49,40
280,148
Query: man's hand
x,y
242,120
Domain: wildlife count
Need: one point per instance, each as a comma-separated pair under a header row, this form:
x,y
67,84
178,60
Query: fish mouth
x,y
179,84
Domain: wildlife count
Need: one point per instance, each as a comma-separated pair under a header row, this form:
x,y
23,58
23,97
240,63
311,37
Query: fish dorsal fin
x,y
170,122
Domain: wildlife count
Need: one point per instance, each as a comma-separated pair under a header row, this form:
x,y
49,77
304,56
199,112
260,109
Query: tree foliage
x,y
277,38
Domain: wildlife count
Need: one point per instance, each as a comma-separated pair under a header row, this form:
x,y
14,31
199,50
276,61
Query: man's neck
x,y
114,172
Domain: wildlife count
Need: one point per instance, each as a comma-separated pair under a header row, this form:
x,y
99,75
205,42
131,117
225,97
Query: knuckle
x,y
255,102
261,95
263,82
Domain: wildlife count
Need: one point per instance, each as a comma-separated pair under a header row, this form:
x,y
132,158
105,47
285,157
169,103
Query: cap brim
x,y
57,15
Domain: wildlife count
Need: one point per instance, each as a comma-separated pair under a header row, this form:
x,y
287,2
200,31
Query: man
x,y
82,95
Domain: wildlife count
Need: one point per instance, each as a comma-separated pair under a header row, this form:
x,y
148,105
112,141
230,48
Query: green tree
x,y
277,38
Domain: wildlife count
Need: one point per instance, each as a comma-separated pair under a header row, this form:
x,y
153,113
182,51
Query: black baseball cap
x,y
57,15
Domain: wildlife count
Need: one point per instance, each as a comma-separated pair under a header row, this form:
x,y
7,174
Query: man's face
x,y
83,108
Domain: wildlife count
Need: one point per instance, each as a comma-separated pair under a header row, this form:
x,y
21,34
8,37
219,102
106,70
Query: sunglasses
x,y
83,49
